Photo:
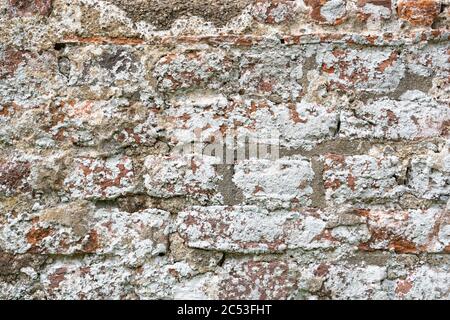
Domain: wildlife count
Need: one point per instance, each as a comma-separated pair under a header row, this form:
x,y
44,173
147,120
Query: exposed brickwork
x,y
100,179
419,12
115,182
251,229
282,183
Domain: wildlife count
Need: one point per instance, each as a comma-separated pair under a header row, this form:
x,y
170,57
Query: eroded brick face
x,y
80,229
182,176
99,178
30,7
273,11
414,116
13,176
239,149
374,9
419,12
249,229
281,183
362,177
9,62
410,231
328,12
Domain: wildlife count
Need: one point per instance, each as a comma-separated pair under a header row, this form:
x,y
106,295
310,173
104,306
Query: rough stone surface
x,y
163,13
239,149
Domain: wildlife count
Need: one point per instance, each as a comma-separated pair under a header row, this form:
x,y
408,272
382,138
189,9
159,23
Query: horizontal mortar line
x,y
383,39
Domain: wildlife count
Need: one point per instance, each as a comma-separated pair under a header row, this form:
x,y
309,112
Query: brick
x,y
414,116
28,78
384,3
77,228
296,124
275,73
362,178
7,112
273,11
188,176
428,61
177,71
419,12
87,279
97,178
259,280
250,229
408,231
24,8
10,59
285,182
18,125
319,277
101,72
424,282
201,261
374,9
162,278
368,69
375,278
332,12
116,181
14,176
355,282
429,177
118,122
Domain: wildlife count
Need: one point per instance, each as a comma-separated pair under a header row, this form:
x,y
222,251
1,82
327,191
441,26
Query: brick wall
x,y
96,95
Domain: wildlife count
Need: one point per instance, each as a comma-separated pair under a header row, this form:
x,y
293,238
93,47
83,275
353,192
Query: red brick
x,y
10,59
407,231
328,11
419,12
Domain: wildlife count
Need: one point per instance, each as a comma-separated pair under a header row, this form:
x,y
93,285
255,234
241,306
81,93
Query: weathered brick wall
x,y
96,94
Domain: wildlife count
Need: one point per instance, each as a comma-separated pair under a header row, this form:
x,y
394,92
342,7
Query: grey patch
x,y
308,65
409,82
162,13
174,205
438,259
64,66
231,194
318,195
412,82
126,61
371,258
